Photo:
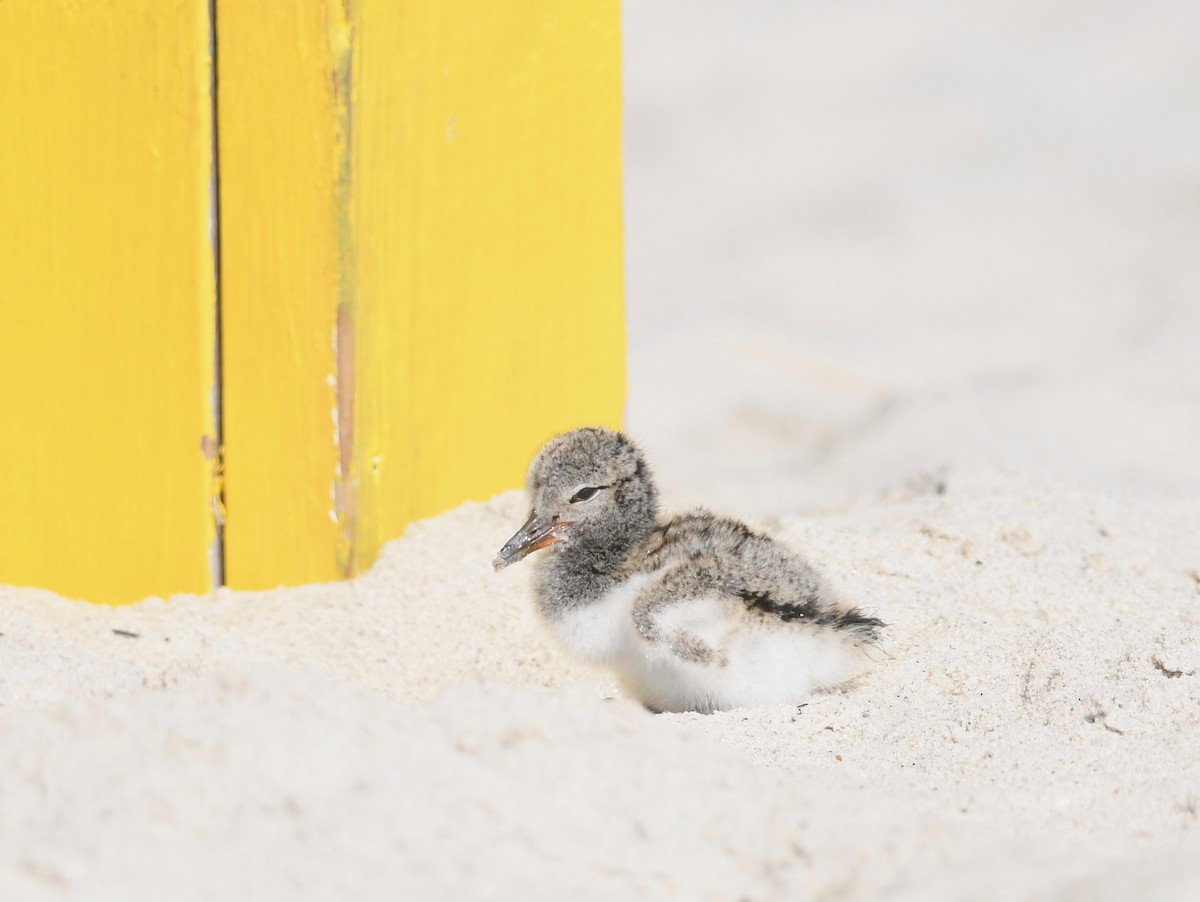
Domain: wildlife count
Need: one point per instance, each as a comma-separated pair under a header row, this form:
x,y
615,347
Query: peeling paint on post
x,y
345,494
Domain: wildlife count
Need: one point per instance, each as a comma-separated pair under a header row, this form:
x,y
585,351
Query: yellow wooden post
x,y
107,290
282,268
420,254
422,274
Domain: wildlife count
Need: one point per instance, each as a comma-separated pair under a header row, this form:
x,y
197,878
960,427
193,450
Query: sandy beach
x,y
1029,729
915,289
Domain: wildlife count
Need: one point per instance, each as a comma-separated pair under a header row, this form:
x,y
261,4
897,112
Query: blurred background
x,y
866,241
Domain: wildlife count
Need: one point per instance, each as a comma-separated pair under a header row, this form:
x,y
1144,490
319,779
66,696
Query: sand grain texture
x,y
926,274
1031,725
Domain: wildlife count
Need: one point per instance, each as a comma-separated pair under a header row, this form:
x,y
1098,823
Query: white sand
x,y
940,273
1036,716
869,238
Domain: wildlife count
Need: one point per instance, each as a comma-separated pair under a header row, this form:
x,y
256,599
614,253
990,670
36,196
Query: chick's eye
x,y
585,494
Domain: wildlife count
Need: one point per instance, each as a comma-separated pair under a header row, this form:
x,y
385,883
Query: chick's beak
x,y
538,532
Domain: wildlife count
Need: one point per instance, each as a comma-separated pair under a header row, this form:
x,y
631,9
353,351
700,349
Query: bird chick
x,y
692,613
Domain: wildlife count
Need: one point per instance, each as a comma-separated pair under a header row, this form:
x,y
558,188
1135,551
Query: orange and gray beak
x,y
538,532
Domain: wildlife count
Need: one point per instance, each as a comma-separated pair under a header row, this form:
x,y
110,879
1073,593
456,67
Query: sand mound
x,y
1032,727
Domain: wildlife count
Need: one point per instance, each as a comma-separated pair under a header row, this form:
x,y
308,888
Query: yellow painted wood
x,y
487,218
281,267
439,184
106,282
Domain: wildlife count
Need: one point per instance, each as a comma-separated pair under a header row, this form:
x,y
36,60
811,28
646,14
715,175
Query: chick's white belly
x,y
749,664
751,667
602,631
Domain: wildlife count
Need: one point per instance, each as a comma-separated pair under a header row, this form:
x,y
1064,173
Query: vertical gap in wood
x,y
217,457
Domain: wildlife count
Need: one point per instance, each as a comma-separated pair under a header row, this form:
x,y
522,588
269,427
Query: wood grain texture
x,y
487,215
282,267
106,281
422,245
